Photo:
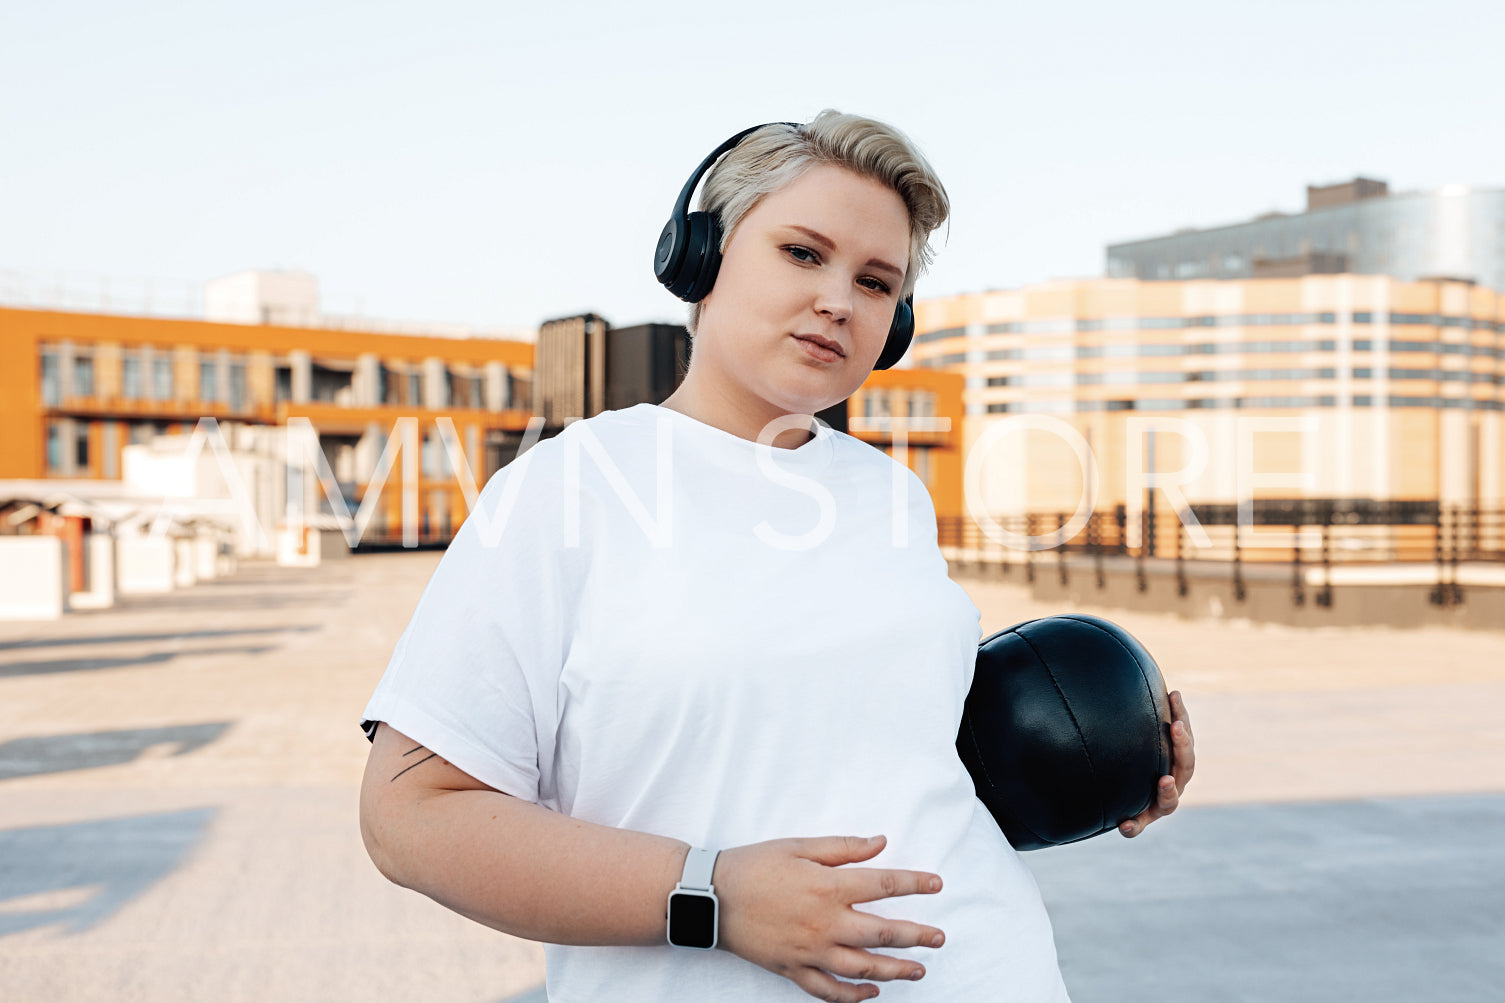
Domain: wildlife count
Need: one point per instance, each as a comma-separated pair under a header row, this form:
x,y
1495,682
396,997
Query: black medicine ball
x,y
1066,729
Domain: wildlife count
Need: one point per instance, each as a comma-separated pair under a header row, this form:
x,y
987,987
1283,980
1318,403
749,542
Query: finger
x,y
865,884
1167,797
824,987
1135,825
1183,755
851,963
1178,710
867,930
836,850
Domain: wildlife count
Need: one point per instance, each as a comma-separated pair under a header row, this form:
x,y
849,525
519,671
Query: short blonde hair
x,y
776,155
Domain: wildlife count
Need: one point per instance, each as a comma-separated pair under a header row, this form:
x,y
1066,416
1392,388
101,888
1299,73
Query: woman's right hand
x,y
786,906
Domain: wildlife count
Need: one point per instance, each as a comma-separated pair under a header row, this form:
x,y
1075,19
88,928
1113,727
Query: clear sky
x,y
499,164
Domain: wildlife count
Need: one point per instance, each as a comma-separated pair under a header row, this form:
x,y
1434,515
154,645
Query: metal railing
x,y
1300,533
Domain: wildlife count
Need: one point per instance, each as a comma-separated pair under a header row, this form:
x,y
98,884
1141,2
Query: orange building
x,y
75,389
922,409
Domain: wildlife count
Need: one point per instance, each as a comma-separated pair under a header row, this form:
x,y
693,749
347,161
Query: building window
x,y
237,385
415,391
81,447
52,392
130,378
465,390
875,404
162,379
949,332
208,384
509,384
435,460
54,448
392,382
922,466
331,382
83,376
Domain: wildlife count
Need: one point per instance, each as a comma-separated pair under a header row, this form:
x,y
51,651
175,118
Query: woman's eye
x,y
806,256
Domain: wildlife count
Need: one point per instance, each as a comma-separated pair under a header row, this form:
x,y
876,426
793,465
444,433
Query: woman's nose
x,y
834,300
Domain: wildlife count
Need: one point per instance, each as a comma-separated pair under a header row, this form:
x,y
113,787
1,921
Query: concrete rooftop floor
x,y
178,780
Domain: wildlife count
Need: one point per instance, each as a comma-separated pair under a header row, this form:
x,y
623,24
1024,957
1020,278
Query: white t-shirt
x,y
651,623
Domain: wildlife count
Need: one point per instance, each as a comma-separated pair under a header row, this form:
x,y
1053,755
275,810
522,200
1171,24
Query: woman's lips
x,y
818,350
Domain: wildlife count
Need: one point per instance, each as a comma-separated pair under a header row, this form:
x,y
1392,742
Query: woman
x,y
715,630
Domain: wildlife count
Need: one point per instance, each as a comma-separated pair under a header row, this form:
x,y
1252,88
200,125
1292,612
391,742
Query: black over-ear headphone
x,y
689,255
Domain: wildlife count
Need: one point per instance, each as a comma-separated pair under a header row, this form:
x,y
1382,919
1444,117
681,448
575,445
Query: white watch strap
x,y
699,866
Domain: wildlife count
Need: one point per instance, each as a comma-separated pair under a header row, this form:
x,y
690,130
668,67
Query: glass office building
x,y
1357,228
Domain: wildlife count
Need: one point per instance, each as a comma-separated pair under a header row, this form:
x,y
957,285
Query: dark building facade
x,y
646,362
586,366
570,370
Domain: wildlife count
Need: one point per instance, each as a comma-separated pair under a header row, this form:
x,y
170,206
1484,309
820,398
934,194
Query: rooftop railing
x,y
1311,537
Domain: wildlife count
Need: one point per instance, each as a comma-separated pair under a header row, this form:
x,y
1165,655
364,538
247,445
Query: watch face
x,y
692,920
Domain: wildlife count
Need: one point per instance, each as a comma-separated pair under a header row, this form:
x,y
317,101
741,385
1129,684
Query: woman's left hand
x,y
1183,762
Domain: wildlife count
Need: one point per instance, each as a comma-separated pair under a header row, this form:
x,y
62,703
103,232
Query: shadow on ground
x,y
82,873
235,601
42,754
56,665
70,640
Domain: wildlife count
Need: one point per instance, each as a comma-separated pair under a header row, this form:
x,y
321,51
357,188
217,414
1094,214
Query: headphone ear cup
x,y
702,257
900,333
669,256
681,254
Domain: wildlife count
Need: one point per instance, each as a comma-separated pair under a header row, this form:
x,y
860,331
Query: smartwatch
x,y
693,906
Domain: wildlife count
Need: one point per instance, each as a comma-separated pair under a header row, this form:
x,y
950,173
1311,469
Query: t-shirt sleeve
x,y
474,676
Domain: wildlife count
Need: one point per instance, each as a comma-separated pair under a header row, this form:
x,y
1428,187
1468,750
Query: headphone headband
x,y
682,204
688,254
